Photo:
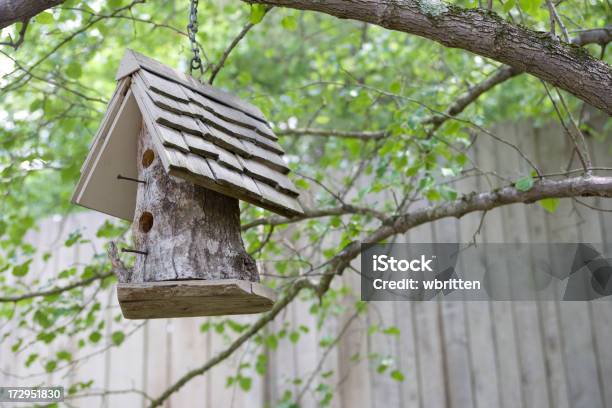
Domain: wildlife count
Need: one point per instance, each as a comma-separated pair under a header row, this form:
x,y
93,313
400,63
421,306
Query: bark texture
x,y
193,232
484,33
12,11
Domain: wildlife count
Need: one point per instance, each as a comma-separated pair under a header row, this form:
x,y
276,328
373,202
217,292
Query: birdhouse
x,y
174,156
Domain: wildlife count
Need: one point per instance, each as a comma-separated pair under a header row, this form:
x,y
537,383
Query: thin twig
x,y
553,10
20,39
264,242
567,131
551,17
56,290
592,207
587,156
331,346
230,48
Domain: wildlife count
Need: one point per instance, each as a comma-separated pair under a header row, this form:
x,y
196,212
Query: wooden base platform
x,y
189,298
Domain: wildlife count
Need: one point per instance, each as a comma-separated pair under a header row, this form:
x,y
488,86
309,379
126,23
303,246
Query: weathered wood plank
x,y
260,172
266,157
231,115
506,351
575,322
428,340
229,160
270,195
200,146
526,313
479,326
269,176
132,60
173,138
189,298
454,332
165,87
536,218
223,140
234,179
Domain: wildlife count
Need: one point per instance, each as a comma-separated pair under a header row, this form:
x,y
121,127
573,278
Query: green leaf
x,y
449,194
50,366
74,70
73,238
245,383
31,358
322,120
509,5
392,331
549,204
395,87
289,23
524,184
302,184
397,375
117,337
272,342
95,337
433,195
258,11
530,6
45,18
261,364
22,269
294,336
45,337
109,230
64,355
42,319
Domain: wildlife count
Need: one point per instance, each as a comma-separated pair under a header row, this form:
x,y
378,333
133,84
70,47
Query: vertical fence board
x,y
526,314
454,332
506,352
432,386
479,327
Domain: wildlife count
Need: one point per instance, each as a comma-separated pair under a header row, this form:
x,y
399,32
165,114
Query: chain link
x,y
192,30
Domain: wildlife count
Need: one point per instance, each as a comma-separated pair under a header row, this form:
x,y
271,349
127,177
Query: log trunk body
x,y
188,232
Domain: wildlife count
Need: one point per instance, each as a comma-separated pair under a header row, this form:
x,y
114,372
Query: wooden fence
x,y
455,354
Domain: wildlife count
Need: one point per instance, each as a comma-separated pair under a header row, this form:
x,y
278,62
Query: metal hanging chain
x,y
192,30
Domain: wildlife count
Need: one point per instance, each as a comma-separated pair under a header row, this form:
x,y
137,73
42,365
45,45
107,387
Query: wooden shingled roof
x,y
210,137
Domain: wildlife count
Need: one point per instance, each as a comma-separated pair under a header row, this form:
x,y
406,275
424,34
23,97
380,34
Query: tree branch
x,y
230,48
601,36
312,213
345,134
20,38
473,93
14,11
569,187
55,291
484,33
